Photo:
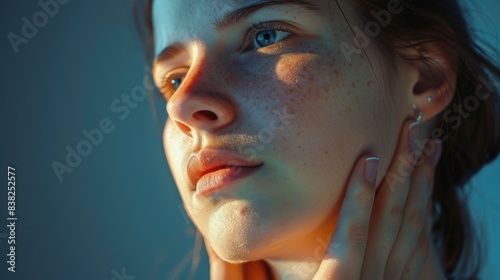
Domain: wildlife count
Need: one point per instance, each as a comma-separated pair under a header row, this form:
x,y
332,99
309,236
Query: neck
x,y
301,260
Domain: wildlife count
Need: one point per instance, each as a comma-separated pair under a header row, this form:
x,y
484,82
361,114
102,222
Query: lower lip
x,y
222,178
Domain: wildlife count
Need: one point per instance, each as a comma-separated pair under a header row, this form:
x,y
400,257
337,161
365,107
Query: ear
x,y
434,67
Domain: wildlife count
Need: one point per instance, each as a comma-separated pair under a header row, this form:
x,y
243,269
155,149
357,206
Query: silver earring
x,y
419,117
419,114
429,99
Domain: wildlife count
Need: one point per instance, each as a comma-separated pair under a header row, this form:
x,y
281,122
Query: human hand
x,y
386,234
383,235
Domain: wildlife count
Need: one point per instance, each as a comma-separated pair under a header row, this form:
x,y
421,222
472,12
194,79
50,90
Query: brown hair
x,y
470,139
469,142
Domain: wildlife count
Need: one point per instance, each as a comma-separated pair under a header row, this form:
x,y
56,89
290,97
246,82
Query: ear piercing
x,y
414,129
419,117
419,114
414,106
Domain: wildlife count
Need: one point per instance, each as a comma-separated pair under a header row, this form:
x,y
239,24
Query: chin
x,y
231,252
238,245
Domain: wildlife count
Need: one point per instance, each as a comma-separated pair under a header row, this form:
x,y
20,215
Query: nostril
x,y
205,114
184,127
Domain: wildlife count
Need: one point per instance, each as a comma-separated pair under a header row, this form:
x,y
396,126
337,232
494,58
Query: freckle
x,y
244,212
326,152
353,85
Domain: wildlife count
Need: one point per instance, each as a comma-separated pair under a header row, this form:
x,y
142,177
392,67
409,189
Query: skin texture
x,y
338,111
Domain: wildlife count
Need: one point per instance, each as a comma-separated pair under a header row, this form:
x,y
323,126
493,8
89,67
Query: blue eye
x,y
266,34
265,38
176,82
172,81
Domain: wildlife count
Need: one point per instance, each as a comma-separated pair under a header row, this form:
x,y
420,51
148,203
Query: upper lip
x,y
210,160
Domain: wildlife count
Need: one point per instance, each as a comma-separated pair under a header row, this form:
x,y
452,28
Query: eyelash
x,y
262,26
166,91
166,83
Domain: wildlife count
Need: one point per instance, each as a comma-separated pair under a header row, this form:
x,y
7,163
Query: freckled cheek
x,y
301,80
318,101
331,113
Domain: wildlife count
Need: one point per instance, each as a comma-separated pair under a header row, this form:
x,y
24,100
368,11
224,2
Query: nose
x,y
202,102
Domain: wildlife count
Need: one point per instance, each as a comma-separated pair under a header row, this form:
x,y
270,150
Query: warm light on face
x,y
269,83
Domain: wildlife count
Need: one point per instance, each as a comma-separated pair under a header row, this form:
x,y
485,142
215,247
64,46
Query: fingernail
x,y
413,134
371,168
437,152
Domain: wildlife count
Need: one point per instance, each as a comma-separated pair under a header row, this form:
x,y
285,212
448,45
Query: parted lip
x,y
210,160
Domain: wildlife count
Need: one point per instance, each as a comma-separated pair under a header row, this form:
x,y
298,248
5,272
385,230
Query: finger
x,y
389,203
415,265
344,255
220,269
414,214
432,267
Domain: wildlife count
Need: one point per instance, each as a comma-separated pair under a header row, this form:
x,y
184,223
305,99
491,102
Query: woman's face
x,y
273,85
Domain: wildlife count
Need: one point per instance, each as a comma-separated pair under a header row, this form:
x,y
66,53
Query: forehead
x,y
184,20
175,10
180,19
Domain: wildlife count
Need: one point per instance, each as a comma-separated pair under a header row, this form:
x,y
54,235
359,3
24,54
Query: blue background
x,y
119,208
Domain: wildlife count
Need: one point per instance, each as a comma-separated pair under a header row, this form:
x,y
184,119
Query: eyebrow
x,y
169,52
234,17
